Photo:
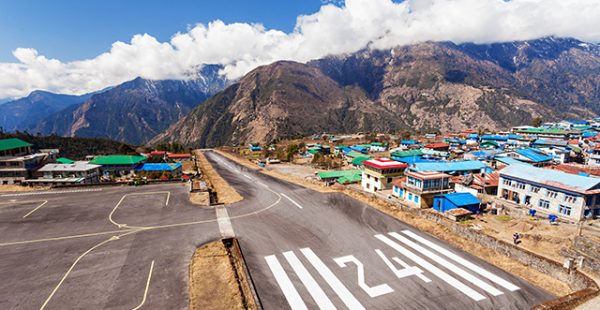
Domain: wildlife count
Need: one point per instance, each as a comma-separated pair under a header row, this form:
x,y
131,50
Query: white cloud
x,y
333,29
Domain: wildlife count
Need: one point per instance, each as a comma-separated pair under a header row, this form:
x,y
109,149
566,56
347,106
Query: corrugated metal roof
x,y
159,166
553,178
117,160
12,143
461,199
63,160
466,165
535,155
407,153
510,161
74,167
337,173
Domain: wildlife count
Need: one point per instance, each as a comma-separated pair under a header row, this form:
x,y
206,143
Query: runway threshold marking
x,y
433,269
286,285
484,273
448,265
290,199
36,208
309,282
147,287
113,238
338,287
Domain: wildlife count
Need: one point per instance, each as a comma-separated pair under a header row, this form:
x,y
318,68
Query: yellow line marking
x,y
61,238
113,238
110,216
43,203
147,286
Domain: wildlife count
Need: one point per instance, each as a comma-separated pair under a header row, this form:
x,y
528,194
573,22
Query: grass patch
x,y
504,218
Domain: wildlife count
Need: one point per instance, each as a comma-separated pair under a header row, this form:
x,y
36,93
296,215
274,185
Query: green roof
x,y
358,160
407,153
353,178
12,143
63,160
535,130
377,144
354,154
117,160
337,174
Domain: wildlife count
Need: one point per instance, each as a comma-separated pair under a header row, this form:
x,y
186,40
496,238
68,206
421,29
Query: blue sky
x,y
79,29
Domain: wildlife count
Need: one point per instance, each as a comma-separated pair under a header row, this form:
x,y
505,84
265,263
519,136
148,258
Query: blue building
x,y
447,202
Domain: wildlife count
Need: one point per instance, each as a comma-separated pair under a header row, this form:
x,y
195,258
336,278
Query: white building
x,y
379,173
569,196
66,174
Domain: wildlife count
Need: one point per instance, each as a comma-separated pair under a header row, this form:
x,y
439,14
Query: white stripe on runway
x,y
53,192
433,269
407,271
290,199
338,287
448,265
224,223
492,277
285,284
247,176
309,282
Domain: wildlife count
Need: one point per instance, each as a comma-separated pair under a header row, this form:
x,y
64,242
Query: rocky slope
x,y
25,112
423,87
134,111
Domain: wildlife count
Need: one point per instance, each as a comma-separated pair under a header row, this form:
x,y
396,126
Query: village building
x,y
439,146
379,147
417,189
447,202
172,169
379,173
118,165
451,167
531,156
67,174
477,183
572,197
17,162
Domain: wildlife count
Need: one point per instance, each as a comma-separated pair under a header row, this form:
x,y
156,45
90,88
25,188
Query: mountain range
x,y
426,87
432,86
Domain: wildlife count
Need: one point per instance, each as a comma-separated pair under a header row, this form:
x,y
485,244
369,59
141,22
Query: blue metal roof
x,y
550,142
510,161
552,178
461,199
515,137
159,167
535,155
413,159
408,142
494,137
577,122
457,166
473,136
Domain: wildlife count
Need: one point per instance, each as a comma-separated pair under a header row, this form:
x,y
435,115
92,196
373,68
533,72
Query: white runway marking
x,y
30,212
492,277
147,287
284,282
402,273
433,269
247,176
338,287
448,265
224,223
53,192
309,282
290,199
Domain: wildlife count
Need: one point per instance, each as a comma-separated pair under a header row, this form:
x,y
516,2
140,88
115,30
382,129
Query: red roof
x,y
158,153
180,155
573,142
436,145
384,163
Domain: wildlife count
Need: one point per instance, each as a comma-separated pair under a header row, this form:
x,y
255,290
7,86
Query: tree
x,y
291,150
536,121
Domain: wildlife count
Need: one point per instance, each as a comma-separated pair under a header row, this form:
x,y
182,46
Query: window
x,y
519,185
506,182
535,189
416,199
410,196
389,180
570,199
551,194
368,185
565,210
544,204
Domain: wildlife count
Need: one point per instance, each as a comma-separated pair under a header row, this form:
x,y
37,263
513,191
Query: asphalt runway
x,y
130,248
312,250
